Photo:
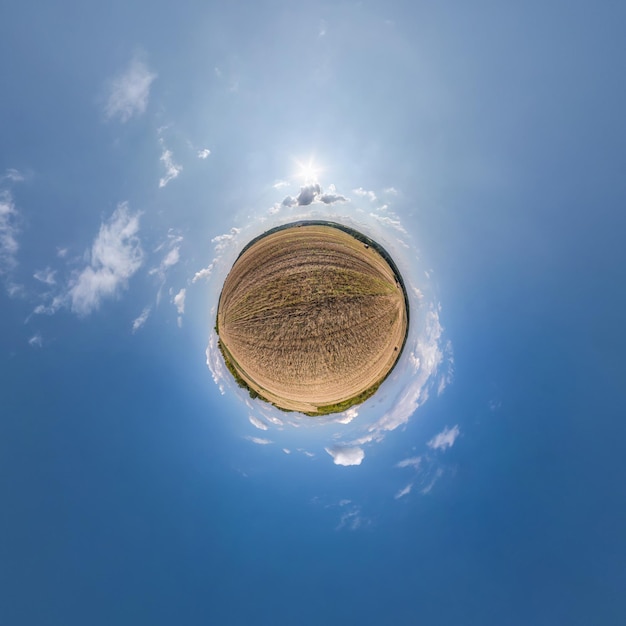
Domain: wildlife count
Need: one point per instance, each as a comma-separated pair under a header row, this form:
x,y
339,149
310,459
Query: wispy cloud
x,y
172,170
447,377
220,243
426,357
404,491
390,220
138,322
364,193
445,439
351,517
36,341
169,260
8,233
346,455
259,441
202,274
257,422
204,153
431,483
46,276
129,91
115,256
179,301
427,473
12,175
413,462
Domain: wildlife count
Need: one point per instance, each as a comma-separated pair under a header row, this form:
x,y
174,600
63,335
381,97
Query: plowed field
x,y
311,319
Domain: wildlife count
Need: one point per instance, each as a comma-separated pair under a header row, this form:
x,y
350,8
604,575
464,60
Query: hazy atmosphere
x,y
143,146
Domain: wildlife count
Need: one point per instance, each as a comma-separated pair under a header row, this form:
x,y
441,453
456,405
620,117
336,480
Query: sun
x,y
308,172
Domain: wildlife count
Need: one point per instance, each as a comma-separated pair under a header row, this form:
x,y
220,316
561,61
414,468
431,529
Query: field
x,y
311,319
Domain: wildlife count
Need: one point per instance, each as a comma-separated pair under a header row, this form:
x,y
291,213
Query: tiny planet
x,y
312,317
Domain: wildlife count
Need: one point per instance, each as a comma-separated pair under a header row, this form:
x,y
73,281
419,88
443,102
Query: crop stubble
x,y
310,317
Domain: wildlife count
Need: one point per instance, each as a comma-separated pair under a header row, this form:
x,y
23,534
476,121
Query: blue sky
x,y
143,145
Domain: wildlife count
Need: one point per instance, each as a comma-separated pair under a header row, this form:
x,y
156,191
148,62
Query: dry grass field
x,y
311,319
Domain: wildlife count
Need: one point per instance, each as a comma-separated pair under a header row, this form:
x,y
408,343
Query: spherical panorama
x,y
312,317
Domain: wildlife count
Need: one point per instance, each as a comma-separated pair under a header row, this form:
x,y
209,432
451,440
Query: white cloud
x,y
215,363
426,358
330,197
8,233
286,450
172,258
55,304
36,341
129,91
12,175
351,518
172,170
220,243
413,461
445,439
344,455
223,241
403,492
390,220
179,301
431,484
447,378
391,191
257,423
279,184
204,153
364,193
313,193
348,416
259,441
141,320
62,252
115,256
203,273
46,276
169,260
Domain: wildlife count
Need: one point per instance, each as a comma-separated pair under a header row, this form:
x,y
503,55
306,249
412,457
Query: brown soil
x,y
310,317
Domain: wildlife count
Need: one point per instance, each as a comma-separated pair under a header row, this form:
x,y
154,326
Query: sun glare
x,y
308,172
